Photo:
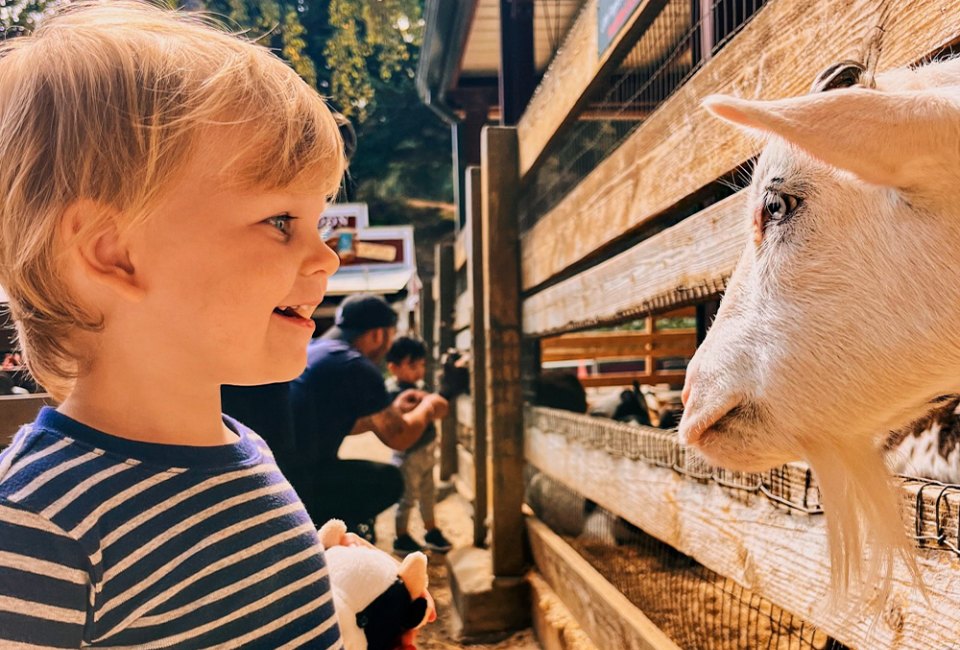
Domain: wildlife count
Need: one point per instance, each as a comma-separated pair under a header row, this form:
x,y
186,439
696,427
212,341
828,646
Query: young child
x,y
162,185
406,361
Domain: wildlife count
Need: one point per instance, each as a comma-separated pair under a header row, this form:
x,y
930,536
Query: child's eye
x,y
281,222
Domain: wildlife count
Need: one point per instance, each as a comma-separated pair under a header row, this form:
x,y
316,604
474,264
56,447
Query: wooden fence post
x,y
478,376
500,246
446,299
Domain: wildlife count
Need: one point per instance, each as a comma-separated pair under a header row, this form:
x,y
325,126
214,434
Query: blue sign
x,y
612,15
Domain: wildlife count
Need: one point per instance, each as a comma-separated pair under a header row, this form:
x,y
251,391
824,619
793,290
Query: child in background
x,y
406,361
162,186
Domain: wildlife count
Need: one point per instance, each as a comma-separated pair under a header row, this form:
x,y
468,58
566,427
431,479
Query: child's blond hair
x,y
106,102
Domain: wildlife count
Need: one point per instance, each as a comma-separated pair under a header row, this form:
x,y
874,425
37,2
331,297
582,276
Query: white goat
x,y
848,299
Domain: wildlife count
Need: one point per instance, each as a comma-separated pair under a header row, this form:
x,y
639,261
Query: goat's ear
x,y
906,140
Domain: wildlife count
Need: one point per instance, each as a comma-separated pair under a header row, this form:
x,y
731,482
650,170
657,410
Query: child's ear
x,y
94,241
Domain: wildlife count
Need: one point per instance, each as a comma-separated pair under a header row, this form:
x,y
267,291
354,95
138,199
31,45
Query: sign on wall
x,y
612,15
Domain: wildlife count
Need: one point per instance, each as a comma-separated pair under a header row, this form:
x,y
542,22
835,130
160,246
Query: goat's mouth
x,y
696,427
730,439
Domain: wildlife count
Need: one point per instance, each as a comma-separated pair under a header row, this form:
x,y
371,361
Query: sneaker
x,y
404,545
435,541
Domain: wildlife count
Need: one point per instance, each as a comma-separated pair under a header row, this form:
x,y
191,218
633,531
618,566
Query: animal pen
x,y
611,198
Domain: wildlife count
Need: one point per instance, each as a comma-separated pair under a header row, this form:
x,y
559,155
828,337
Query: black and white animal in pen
x,y
930,447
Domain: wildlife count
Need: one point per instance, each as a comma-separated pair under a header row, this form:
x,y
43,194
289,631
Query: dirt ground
x,y
454,520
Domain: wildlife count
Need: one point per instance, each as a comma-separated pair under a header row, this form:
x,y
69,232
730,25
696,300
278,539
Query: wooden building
x,y
595,190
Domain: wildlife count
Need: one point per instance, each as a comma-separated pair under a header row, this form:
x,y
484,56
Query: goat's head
x,y
839,322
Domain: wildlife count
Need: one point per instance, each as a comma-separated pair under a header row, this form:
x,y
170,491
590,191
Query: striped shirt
x,y
107,542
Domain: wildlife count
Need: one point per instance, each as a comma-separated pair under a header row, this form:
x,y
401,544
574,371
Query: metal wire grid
x,y
791,486
666,54
695,606
934,506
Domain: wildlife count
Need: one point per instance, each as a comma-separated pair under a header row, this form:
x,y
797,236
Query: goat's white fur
x,y
842,324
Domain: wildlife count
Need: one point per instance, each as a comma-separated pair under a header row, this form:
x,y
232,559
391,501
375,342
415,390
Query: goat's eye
x,y
778,206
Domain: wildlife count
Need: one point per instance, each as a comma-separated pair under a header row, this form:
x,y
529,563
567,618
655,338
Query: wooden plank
x,y
686,262
478,347
464,410
570,78
627,378
464,480
553,624
446,287
768,550
500,259
460,250
680,149
619,345
463,340
463,309
606,615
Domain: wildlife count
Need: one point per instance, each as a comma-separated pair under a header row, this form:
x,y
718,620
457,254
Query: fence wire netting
x,y
667,53
696,607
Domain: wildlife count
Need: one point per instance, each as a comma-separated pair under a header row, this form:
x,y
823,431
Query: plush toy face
x,y
376,598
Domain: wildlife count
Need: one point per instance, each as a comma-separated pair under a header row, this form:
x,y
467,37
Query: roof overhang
x,y
459,64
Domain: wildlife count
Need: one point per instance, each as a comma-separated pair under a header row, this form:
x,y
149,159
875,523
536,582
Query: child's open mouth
x,y
296,314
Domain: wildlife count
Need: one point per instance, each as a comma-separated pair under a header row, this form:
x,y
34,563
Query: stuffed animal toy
x,y
377,599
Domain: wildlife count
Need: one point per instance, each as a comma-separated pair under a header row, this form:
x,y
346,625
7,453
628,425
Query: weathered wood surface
x,y
672,377
463,340
464,410
500,255
619,345
465,479
478,345
681,149
445,284
686,262
606,615
460,248
743,536
463,310
553,624
567,82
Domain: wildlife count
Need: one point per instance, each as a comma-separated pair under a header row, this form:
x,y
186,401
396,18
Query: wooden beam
x,y
460,250
500,258
462,311
553,624
478,346
680,149
687,262
605,614
619,345
627,378
517,66
446,293
742,535
576,70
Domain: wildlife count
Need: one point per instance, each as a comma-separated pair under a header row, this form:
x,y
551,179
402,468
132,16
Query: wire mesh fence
x,y
932,507
693,605
668,51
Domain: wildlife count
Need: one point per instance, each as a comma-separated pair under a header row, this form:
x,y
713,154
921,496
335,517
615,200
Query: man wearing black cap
x,y
342,392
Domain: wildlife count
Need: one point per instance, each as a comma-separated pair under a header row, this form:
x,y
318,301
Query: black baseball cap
x,y
361,313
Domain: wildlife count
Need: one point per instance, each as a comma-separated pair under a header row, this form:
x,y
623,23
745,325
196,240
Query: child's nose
x,y
321,258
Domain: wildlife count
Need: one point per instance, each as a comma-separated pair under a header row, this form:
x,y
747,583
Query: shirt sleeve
x,y
45,586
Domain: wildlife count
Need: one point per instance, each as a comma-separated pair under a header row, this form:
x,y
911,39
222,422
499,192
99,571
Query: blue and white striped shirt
x,y
108,542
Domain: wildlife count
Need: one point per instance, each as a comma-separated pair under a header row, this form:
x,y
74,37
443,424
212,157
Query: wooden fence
x,y
529,296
